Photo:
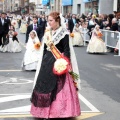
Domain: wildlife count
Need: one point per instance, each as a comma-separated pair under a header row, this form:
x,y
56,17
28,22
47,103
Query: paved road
x,y
100,80
100,75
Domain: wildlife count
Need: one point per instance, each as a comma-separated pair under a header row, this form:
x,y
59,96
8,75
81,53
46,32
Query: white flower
x,y
60,65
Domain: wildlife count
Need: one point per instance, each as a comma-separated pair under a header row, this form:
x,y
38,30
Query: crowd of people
x,y
49,38
73,23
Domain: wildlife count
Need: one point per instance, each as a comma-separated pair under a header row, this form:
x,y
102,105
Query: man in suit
x,y
7,18
4,28
71,23
36,27
43,23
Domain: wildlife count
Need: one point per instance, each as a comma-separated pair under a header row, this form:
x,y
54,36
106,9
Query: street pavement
x,y
100,91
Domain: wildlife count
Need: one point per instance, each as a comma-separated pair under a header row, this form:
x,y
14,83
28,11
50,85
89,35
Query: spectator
x,y
114,26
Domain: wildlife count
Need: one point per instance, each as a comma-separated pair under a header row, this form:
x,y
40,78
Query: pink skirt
x,y
65,105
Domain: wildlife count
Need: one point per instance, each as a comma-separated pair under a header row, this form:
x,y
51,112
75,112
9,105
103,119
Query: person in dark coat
x,y
114,26
71,23
36,27
4,28
7,18
43,22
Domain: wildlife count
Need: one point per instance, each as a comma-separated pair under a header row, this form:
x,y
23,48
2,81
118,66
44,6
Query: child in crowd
x,y
96,44
77,40
32,53
11,44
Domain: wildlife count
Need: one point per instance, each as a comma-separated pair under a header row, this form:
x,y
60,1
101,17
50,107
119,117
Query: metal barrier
x,y
110,37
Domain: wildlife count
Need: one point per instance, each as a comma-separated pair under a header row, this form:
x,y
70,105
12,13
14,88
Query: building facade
x,y
106,6
109,6
67,6
62,6
1,6
78,7
95,6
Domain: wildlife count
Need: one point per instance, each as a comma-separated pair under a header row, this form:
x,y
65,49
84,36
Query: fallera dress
x,y
31,56
77,40
23,27
12,43
96,44
54,96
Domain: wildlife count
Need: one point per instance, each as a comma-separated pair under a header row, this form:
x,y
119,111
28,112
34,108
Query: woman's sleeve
x,y
66,46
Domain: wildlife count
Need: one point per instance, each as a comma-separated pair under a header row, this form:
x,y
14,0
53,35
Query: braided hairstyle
x,y
56,16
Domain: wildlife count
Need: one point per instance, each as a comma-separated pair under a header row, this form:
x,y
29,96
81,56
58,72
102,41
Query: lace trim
x,y
60,34
41,100
44,100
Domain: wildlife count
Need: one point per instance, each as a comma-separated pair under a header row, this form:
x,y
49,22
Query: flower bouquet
x,y
72,35
37,46
99,34
15,33
62,64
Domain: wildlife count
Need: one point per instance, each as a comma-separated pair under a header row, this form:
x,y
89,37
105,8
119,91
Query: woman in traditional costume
x,y
96,44
23,27
54,93
32,53
77,40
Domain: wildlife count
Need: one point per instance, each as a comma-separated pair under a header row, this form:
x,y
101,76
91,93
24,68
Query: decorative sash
x,y
57,54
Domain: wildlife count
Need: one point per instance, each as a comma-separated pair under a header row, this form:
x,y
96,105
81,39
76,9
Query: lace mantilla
x,y
60,34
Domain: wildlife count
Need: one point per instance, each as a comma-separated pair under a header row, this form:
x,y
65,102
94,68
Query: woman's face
x,y
97,28
32,35
53,24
